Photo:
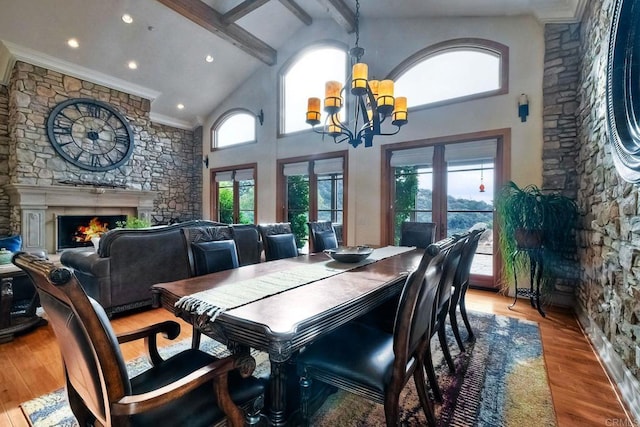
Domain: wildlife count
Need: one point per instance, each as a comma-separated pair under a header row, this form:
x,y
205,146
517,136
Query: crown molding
x,y
171,121
563,11
19,53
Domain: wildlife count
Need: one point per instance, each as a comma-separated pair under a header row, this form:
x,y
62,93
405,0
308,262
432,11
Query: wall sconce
x,y
205,160
523,107
260,117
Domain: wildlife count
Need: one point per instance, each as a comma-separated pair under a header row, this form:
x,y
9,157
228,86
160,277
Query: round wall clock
x,y
90,134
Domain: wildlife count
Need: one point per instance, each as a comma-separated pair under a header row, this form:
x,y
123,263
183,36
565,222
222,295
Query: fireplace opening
x,y
76,231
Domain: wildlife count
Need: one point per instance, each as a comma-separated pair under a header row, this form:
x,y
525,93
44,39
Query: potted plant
x,y
134,222
529,220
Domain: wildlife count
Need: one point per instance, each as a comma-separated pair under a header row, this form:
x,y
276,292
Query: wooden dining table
x,y
283,323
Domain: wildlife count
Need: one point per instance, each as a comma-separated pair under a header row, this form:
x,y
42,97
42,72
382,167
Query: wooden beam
x,y
341,13
211,20
297,11
241,10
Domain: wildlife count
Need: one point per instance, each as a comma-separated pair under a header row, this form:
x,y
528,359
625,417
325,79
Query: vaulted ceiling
x,y
169,39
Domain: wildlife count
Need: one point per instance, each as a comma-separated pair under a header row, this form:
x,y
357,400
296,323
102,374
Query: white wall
x,y
387,44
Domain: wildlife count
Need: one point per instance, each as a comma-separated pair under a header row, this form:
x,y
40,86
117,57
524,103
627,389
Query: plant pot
x,y
528,239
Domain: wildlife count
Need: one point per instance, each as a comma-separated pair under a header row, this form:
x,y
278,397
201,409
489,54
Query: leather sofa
x,y
129,261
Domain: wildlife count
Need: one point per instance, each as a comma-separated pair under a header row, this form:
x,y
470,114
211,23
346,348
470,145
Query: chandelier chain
x,y
357,19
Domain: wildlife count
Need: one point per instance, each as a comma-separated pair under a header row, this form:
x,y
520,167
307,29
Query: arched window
x,y
454,71
304,77
237,126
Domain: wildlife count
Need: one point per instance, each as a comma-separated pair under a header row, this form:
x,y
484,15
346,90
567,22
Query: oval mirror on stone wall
x,y
623,89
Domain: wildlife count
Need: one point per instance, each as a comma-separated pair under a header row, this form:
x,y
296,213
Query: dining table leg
x,y
279,354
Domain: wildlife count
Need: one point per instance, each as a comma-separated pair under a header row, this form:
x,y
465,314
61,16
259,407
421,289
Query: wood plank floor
x,y
582,393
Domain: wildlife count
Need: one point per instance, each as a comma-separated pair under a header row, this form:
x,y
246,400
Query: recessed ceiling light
x,y
209,58
73,43
180,106
127,19
133,65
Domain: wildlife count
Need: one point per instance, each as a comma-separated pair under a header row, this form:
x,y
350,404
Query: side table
x,y
18,302
536,267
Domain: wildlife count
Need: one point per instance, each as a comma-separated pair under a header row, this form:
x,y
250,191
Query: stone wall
x,y
4,160
164,159
609,297
560,86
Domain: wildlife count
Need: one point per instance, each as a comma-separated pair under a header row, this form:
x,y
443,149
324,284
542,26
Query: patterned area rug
x,y
499,381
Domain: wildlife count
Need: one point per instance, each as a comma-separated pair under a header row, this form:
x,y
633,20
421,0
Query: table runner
x,y
211,303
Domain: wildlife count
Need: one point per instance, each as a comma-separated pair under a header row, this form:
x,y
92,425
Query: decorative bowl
x,y
349,253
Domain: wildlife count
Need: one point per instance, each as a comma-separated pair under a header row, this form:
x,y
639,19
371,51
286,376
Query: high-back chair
x,y
322,236
278,240
375,364
460,286
248,243
419,234
210,249
190,388
441,309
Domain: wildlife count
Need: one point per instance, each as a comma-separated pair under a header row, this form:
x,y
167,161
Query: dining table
x,y
280,306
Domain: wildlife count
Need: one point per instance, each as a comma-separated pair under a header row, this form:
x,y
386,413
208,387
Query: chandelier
x,y
374,103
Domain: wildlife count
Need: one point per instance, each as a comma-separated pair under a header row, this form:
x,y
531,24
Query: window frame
x,y
214,187
475,44
222,119
281,186
322,44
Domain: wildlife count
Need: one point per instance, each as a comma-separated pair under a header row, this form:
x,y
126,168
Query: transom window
x,y
453,71
236,126
305,77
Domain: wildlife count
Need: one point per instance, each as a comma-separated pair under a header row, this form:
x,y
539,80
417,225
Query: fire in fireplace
x,y
77,230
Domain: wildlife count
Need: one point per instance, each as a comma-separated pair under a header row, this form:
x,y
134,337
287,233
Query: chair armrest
x,y
216,371
169,329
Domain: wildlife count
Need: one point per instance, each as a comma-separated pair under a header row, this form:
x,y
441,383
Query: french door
x,y
451,183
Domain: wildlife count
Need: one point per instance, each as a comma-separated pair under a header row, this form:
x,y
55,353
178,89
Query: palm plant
x,y
530,219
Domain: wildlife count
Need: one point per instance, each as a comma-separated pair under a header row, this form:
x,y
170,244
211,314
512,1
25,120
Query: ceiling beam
x,y
341,13
211,20
241,10
297,11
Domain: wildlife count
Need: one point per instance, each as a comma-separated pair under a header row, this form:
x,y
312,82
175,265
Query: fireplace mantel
x,y
33,202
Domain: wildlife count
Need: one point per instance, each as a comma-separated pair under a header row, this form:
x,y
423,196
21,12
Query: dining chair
x,y
419,234
190,388
374,364
339,230
441,309
321,236
210,249
248,243
461,285
278,240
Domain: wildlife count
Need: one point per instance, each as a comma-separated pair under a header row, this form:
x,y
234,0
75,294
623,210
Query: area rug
x,y
500,381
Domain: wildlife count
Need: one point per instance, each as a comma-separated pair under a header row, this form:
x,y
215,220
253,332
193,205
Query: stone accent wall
x,y
162,161
4,160
610,246
560,86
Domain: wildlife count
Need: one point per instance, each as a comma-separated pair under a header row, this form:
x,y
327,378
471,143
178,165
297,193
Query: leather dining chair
x,y
322,236
190,388
418,234
374,364
210,249
278,240
441,309
460,286
248,243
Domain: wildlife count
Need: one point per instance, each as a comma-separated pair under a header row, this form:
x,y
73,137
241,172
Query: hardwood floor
x,y
582,393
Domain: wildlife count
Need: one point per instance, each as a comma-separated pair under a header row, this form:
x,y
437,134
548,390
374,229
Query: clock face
x,y
90,134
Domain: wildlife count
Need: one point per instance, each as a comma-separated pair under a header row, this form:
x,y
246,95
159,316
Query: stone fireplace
x,y
35,208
